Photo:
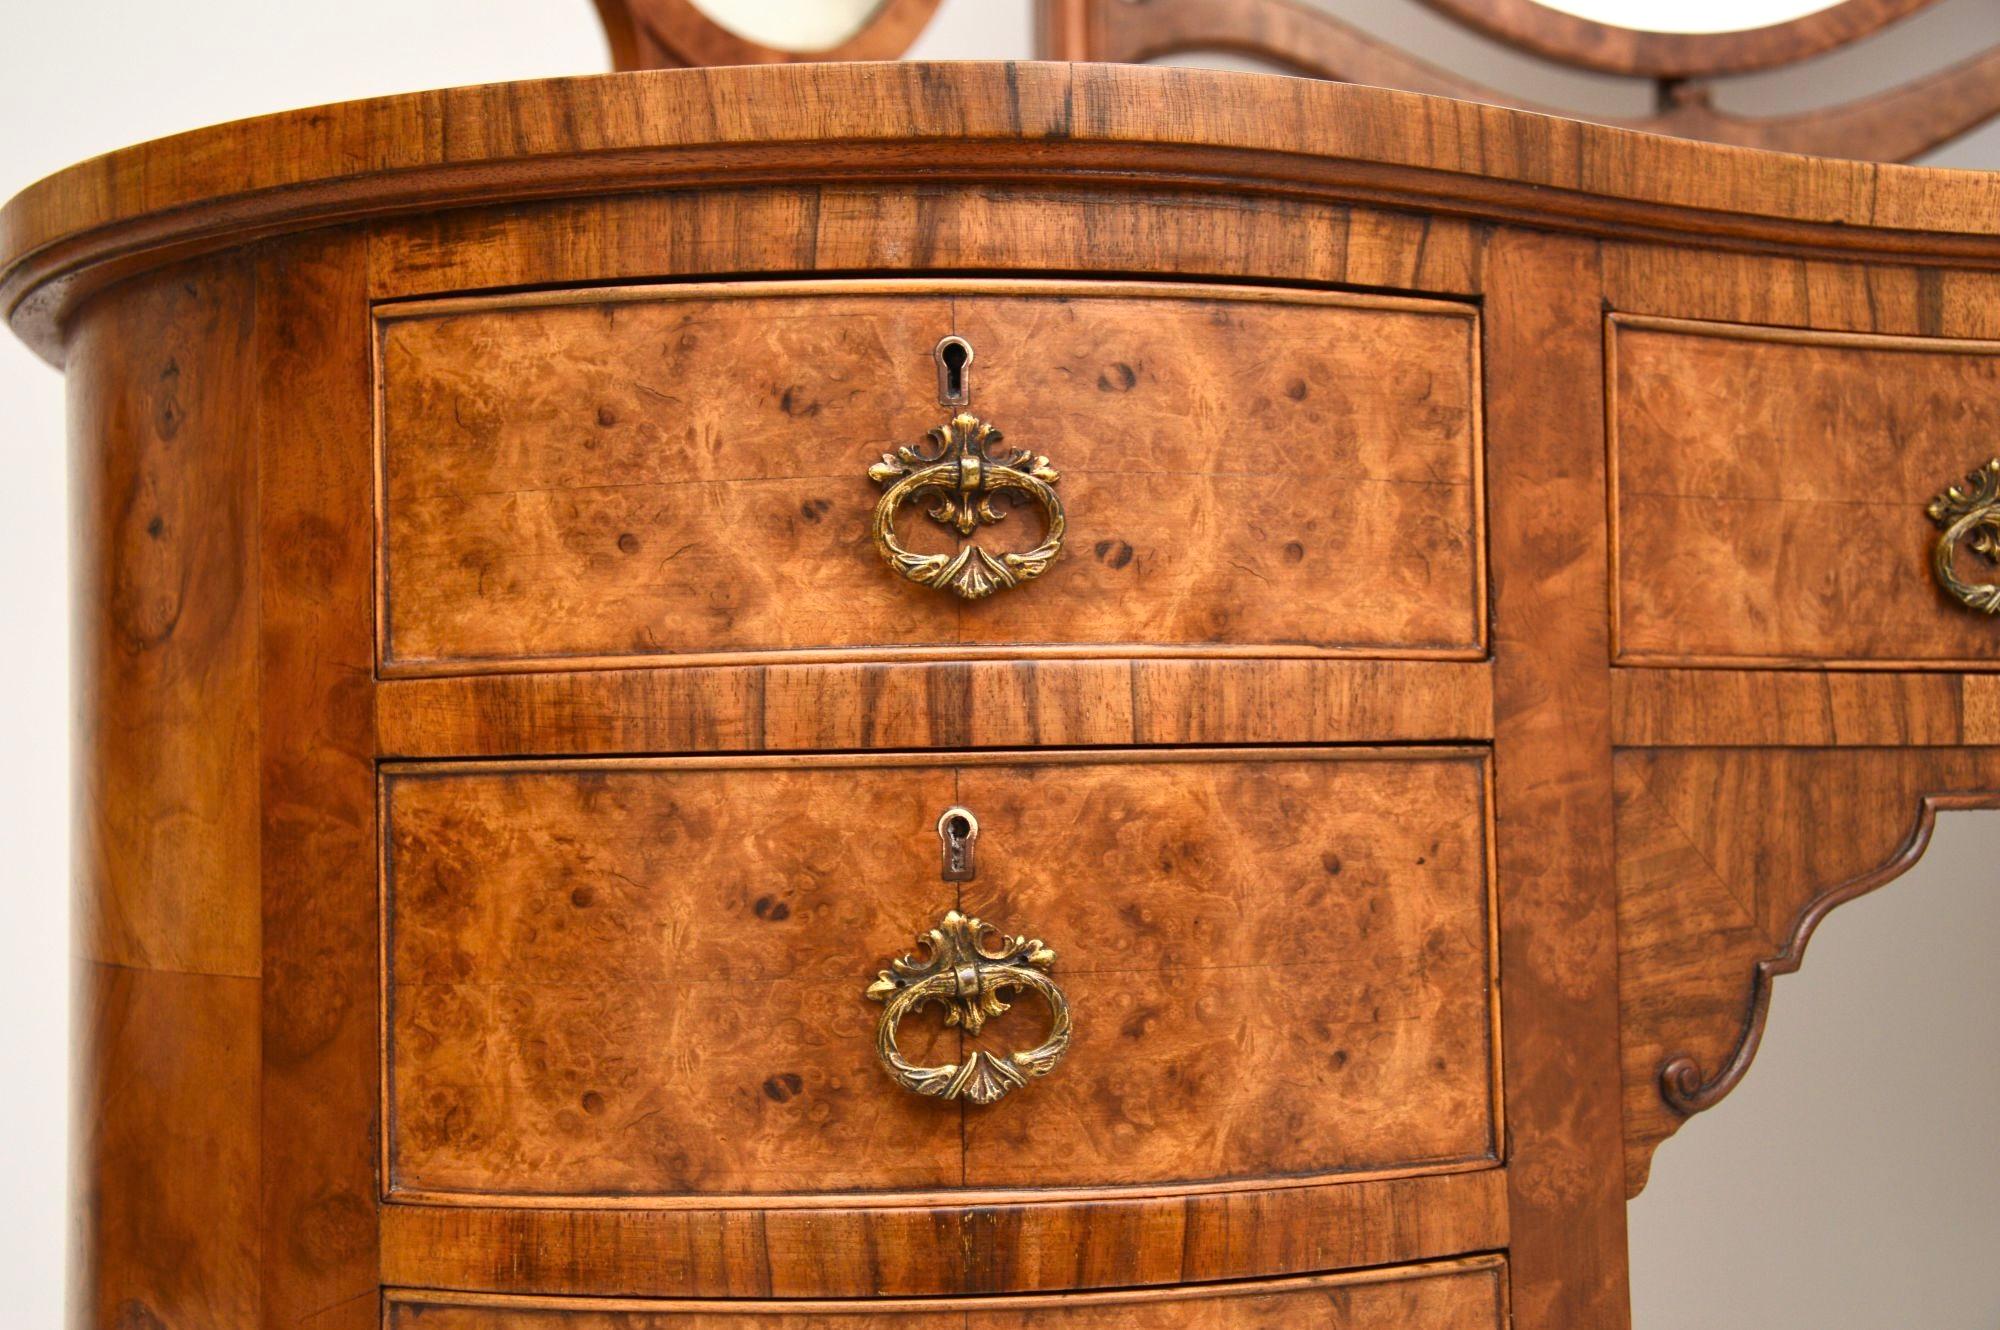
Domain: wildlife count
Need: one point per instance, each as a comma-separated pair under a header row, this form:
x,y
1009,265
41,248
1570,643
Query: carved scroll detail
x,y
1682,1080
1728,861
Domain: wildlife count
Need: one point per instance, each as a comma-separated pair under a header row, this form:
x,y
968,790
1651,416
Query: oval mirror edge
x,y
671,34
1566,38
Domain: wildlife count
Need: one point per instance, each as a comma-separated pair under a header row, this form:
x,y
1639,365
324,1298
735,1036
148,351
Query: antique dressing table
x,y
985,695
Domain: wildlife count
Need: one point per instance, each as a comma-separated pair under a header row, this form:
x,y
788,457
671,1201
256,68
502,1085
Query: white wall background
x,y
1851,1184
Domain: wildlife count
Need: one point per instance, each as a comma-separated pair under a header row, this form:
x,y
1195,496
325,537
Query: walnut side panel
x,y
682,472
320,1106
1770,494
164,1174
164,497
1460,1295
163,1216
553,926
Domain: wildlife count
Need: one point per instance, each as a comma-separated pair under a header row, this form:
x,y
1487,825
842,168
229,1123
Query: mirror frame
x,y
1608,48
669,34
1897,124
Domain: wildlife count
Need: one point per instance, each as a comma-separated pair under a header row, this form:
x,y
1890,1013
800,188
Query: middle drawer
x,y
649,979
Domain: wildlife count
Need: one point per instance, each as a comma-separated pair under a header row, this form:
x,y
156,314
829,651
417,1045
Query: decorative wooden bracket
x,y
1682,1081
1728,861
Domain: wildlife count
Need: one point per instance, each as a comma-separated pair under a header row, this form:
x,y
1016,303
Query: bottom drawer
x,y
1456,1295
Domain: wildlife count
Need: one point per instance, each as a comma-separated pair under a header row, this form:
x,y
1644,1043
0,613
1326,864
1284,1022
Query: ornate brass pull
x,y
1972,511
962,476
966,979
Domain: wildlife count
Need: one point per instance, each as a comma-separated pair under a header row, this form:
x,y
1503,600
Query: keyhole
x,y
954,366
958,829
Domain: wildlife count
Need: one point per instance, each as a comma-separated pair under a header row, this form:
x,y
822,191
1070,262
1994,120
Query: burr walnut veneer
x,y
1399,616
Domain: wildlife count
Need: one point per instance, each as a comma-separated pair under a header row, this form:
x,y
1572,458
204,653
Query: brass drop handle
x,y
1971,511
965,979
961,475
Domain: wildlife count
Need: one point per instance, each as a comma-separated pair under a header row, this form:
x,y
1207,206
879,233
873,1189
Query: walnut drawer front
x,y
630,982
1450,1295
1771,494
647,474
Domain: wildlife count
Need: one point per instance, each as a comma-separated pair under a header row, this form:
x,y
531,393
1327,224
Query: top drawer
x,y
1771,489
631,476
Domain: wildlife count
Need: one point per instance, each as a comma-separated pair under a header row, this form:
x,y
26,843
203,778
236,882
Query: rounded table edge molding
x,y
212,188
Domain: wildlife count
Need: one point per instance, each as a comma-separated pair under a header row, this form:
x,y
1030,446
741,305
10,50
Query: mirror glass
x,y
792,25
1689,15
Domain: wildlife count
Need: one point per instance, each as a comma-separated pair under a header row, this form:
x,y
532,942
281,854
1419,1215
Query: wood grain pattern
x,y
1981,709
1796,292
1143,228
620,983
1770,492
163,1216
1712,708
1460,1295
1226,1030
164,1176
226,895
215,187
682,471
960,704
1552,804
164,503
316,787
528,906
926,1250
1727,860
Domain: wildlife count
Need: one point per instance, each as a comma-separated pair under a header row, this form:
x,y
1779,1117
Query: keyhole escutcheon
x,y
954,367
957,830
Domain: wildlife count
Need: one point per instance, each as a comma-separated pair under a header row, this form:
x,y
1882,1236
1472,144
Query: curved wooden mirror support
x,y
1555,33
1896,125
670,34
